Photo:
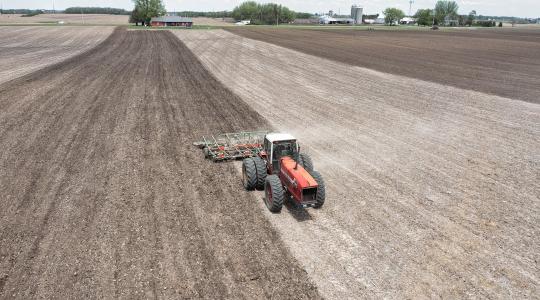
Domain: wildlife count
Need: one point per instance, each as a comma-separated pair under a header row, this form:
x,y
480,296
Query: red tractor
x,y
282,171
271,162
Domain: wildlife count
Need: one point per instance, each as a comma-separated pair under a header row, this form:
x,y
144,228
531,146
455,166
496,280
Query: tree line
x,y
269,13
96,10
209,14
263,14
23,12
445,13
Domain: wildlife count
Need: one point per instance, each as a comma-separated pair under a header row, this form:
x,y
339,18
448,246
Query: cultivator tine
x,y
229,146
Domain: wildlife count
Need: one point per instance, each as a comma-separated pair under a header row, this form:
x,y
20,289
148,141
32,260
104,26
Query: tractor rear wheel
x,y
305,161
321,190
249,174
260,165
273,193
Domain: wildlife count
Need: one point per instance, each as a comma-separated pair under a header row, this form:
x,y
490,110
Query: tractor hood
x,y
299,177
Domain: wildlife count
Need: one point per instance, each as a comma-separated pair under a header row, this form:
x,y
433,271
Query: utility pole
x,y
410,7
53,10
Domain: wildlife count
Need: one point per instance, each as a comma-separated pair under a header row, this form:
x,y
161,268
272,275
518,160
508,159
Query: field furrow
x,y
25,49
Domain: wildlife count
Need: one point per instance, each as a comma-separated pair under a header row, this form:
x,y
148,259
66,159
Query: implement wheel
x,y
249,174
305,161
321,190
260,165
273,193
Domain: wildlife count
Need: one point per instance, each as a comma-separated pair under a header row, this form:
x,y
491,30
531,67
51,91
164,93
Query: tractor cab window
x,y
282,149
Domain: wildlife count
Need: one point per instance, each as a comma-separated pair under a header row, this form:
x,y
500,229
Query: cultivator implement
x,y
229,146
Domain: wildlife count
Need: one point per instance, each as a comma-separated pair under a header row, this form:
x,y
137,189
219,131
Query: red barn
x,y
173,21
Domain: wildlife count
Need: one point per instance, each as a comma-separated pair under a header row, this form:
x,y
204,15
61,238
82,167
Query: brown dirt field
x,y
25,49
104,196
433,191
500,62
88,19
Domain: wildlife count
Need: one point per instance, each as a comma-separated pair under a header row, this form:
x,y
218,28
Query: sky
x,y
517,8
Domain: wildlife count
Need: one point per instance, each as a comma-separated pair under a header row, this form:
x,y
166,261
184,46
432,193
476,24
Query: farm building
x,y
407,21
326,19
173,21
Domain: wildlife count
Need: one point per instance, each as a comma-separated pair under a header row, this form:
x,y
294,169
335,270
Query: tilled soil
x,y
502,62
104,196
25,49
432,191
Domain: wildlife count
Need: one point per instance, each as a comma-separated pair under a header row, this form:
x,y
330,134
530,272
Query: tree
x,y
286,15
424,17
470,18
248,10
269,13
301,15
136,17
393,15
147,9
445,10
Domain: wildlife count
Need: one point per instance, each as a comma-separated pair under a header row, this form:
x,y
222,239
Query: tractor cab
x,y
277,146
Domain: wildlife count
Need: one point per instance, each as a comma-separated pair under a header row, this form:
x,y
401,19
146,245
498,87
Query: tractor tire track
x,y
104,196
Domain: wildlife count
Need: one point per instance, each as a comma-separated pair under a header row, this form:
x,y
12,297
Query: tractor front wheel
x,y
273,193
321,190
249,174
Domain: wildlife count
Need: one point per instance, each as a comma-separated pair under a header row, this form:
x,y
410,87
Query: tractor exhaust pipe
x,y
297,158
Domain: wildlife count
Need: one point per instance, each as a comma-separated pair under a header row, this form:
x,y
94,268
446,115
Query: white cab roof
x,y
276,137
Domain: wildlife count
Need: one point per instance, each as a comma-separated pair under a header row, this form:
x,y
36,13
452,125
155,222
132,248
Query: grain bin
x,y
356,14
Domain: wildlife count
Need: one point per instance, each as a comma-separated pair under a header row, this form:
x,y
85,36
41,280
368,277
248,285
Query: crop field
x,y
24,49
500,62
433,181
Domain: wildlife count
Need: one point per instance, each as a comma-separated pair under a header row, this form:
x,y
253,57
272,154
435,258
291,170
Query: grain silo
x,y
356,14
